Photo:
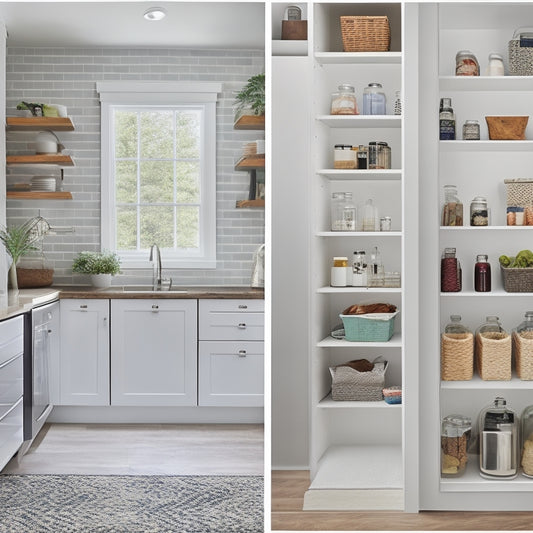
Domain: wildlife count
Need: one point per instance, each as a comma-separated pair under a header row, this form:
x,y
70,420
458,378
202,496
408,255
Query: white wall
x,y
3,264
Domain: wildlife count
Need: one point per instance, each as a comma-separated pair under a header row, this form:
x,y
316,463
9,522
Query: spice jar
x,y
374,101
338,272
527,441
495,66
479,213
344,156
482,275
471,130
455,436
450,272
384,155
343,102
452,212
466,64
343,212
385,224
362,157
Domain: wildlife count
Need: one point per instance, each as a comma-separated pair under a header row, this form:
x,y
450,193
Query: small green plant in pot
x,y
18,241
251,98
101,266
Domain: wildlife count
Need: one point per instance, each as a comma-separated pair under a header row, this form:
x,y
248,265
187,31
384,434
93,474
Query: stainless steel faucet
x,y
156,262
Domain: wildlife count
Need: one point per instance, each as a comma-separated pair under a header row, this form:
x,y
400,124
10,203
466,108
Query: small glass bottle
x,y
479,212
482,275
450,272
376,272
360,278
343,212
452,212
384,155
344,102
525,329
455,436
490,326
471,130
370,215
446,120
374,101
495,66
527,441
362,157
338,272
373,154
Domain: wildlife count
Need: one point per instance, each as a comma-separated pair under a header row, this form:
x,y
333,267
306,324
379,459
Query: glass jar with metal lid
x,y
344,102
374,101
384,155
495,66
343,212
471,130
455,436
466,64
479,212
527,441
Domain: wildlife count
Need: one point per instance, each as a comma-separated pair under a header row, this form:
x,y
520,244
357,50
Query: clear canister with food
x,y
471,130
466,64
455,436
343,101
374,100
384,155
479,212
343,212
527,441
344,157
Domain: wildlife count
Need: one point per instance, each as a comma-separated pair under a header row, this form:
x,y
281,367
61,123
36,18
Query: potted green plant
x,y
251,98
18,241
101,266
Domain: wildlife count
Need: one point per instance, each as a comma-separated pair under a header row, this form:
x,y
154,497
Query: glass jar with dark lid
x,y
455,436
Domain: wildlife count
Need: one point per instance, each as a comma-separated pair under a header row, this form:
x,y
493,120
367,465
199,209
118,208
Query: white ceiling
x,y
214,24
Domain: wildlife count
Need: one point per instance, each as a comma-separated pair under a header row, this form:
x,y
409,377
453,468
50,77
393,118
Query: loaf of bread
x,y
361,365
369,308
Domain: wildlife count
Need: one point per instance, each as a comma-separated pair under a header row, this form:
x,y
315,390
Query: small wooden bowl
x,y
507,128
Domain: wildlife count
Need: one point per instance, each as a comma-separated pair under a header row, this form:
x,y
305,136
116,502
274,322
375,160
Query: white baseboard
x,y
354,500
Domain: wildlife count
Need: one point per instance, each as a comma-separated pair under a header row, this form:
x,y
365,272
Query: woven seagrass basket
x,y
493,356
517,279
365,33
349,384
457,356
523,353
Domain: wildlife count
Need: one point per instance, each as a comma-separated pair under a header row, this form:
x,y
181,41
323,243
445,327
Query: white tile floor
x,y
144,449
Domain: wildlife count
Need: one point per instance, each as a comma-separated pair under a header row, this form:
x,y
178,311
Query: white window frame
x,y
204,94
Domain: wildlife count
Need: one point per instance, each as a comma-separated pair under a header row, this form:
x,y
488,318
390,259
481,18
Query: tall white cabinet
x,y
478,168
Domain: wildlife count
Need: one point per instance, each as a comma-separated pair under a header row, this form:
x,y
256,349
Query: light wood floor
x,y
144,449
288,488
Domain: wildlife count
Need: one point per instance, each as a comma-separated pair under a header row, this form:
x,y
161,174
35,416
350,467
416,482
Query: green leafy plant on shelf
x,y
252,96
96,263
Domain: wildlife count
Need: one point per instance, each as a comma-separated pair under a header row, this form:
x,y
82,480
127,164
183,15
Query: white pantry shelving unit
x,y
358,449
477,168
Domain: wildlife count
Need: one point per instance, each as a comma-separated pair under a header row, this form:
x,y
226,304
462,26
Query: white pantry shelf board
x,y
485,83
373,58
476,383
330,342
486,228
497,293
363,290
486,145
363,121
373,234
329,403
393,174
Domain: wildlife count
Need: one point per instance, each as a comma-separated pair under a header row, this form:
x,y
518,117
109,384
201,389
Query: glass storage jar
x,y
343,212
373,148
523,347
339,272
450,272
370,219
362,157
482,274
479,212
384,155
452,211
456,351
526,432
466,64
344,156
344,102
498,441
360,277
495,66
374,101
446,120
471,130
455,436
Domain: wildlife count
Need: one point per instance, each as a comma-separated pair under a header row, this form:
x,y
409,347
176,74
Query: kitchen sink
x,y
149,288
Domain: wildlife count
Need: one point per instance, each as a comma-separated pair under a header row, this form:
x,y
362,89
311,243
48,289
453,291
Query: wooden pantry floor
x,y
144,449
288,488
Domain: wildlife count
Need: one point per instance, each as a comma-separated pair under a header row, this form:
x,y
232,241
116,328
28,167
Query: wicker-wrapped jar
x,y
493,351
456,352
523,347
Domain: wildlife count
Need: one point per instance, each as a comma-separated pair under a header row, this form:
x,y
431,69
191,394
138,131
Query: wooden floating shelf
x,y
40,159
250,122
250,203
39,123
250,163
31,195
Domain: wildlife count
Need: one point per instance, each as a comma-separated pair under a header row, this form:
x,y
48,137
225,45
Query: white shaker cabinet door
x,y
84,360
154,352
231,373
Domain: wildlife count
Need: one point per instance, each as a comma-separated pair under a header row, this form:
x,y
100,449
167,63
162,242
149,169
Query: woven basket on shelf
x,y
365,33
519,192
493,356
349,384
457,356
517,279
523,351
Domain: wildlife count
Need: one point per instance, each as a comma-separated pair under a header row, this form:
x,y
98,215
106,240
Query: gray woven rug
x,y
131,504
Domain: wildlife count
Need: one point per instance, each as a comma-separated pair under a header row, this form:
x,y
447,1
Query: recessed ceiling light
x,y
155,13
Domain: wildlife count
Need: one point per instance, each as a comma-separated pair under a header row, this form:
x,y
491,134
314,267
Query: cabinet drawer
x,y
231,320
11,338
11,436
11,383
231,374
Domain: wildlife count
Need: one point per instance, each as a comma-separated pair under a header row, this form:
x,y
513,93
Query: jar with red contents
x,y
450,272
482,275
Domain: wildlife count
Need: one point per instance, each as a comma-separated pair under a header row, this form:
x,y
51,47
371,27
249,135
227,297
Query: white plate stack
x,y
43,184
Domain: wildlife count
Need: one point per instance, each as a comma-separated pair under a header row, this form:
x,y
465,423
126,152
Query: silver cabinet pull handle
x,y
242,353
105,320
155,308
242,325
242,306
83,307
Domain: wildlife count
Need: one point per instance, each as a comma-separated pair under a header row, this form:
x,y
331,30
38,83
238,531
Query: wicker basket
x,y
34,277
365,33
349,384
493,356
372,327
520,57
523,353
519,192
517,279
457,356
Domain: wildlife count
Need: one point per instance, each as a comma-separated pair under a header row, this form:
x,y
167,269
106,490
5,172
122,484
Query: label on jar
x,y
447,130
